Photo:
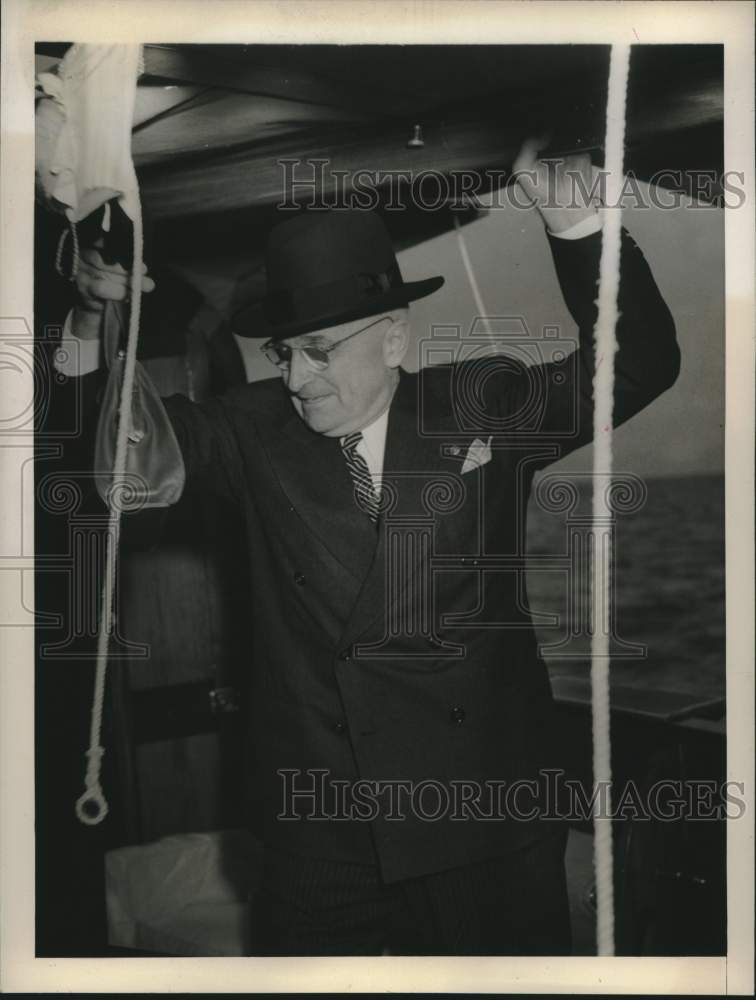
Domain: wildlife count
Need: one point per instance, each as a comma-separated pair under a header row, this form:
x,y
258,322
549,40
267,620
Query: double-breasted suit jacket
x,y
394,671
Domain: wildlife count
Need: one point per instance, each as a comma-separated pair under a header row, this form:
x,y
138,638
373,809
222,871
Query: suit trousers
x,y
515,904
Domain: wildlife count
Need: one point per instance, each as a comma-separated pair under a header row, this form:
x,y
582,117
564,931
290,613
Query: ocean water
x,y
669,578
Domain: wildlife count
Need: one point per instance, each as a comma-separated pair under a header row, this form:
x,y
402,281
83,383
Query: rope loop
x,y
91,807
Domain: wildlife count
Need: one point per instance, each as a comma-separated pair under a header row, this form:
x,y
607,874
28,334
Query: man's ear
x,y
396,340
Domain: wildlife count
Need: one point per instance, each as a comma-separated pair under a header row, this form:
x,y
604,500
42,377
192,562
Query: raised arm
x,y
648,359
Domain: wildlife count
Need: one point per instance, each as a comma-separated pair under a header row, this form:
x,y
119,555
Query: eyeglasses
x,y
280,353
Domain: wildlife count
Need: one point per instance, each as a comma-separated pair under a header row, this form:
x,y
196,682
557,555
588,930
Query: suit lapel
x,y
314,476
410,458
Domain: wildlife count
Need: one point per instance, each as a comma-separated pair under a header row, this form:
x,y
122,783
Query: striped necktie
x,y
364,495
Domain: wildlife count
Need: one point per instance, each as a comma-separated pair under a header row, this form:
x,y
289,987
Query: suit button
x,y
458,715
340,728
345,654
299,578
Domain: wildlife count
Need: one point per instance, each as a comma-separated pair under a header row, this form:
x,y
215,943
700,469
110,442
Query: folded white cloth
x,y
84,123
478,454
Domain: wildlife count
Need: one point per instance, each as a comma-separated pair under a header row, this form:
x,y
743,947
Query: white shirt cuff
x,y
586,227
75,357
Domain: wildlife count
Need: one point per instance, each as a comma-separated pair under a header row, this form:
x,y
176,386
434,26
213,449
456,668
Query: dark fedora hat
x,y
329,267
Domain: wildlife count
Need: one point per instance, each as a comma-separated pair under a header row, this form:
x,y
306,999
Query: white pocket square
x,y
478,454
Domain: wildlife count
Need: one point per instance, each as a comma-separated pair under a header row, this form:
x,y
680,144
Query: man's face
x,y
359,381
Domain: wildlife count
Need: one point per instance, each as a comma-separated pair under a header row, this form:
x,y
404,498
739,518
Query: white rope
x,y
74,252
603,394
92,807
482,312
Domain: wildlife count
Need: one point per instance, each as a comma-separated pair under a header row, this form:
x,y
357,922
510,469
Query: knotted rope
x,y
91,806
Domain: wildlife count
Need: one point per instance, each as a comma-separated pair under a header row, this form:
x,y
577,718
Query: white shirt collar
x,y
372,447
374,440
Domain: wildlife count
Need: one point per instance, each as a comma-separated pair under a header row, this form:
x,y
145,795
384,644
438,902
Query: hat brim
x,y
251,321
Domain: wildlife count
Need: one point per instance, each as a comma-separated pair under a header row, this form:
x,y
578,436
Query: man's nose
x,y
299,372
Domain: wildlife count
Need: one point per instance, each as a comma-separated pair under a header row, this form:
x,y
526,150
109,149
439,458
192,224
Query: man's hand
x,y
564,192
96,284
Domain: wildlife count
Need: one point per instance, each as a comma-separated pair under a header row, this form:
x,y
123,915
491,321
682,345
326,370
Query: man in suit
x,y
400,718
